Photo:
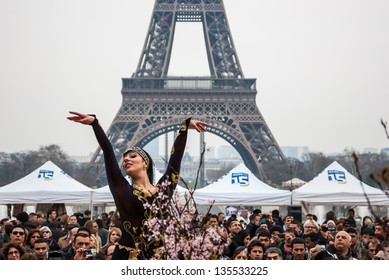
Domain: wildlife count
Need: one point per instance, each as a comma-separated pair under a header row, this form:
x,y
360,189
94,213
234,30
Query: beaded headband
x,y
140,152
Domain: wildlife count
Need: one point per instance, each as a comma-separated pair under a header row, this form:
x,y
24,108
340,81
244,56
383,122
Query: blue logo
x,y
46,174
240,178
337,175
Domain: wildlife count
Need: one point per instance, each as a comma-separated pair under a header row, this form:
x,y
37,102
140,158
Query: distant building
x,y
370,151
385,151
297,152
227,152
83,158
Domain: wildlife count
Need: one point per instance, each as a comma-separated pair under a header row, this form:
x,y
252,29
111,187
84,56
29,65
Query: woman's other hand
x,y
81,118
198,125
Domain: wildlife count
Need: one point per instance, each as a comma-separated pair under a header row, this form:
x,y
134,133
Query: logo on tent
x,y
46,174
240,178
337,175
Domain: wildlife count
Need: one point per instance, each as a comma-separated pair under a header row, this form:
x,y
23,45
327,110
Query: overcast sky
x,y
321,67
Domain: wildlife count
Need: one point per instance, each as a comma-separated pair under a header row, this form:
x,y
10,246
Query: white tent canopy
x,y
46,184
241,187
336,186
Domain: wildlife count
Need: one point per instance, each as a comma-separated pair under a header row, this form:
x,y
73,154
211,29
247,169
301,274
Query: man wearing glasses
x,y
18,236
310,226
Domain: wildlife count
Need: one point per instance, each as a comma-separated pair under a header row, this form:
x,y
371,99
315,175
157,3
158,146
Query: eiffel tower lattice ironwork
x,y
155,104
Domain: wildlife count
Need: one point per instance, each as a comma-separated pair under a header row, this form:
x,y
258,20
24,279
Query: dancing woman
x,y
130,197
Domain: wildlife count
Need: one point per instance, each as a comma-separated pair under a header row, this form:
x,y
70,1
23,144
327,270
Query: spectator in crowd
x,y
102,232
107,251
220,218
94,229
286,244
41,249
64,220
309,216
330,215
340,250
105,219
80,245
51,219
114,235
264,237
287,221
383,253
72,219
47,234
311,240
71,230
298,249
356,246
255,250
324,234
33,235
310,226
372,248
233,226
252,226
13,251
87,216
3,222
242,238
18,236
273,253
23,219
380,230
367,235
240,253
277,220
277,235
367,222
351,218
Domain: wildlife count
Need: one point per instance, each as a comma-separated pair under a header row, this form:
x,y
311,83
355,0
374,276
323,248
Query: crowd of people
x,y
264,237
76,237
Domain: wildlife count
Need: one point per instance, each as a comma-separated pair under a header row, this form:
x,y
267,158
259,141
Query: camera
x,y
320,248
55,255
89,254
324,228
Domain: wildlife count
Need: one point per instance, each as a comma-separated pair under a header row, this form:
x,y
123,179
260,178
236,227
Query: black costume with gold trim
x,y
129,201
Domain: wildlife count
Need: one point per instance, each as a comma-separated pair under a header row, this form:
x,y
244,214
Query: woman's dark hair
x,y
238,250
31,233
150,168
13,245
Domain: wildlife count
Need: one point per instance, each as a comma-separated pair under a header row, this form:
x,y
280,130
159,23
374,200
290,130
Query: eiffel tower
x,y
155,104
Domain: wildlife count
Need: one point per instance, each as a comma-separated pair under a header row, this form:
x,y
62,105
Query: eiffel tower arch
x,y
155,104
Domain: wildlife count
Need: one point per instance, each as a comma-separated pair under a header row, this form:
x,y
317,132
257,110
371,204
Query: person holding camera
x,y
341,250
80,248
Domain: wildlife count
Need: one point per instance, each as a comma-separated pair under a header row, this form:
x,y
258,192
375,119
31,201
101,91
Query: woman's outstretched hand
x,y
81,118
198,125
